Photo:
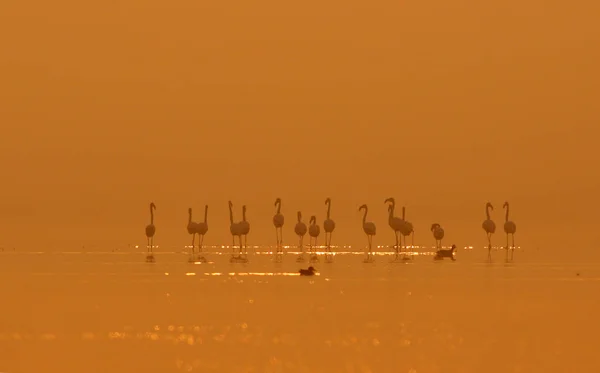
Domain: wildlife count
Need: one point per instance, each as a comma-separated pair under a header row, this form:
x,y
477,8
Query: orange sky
x,y
108,105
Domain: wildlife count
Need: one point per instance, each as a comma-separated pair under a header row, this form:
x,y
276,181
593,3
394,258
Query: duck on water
x,y
307,272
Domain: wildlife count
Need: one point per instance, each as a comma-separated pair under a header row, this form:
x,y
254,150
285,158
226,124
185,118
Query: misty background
x,y
444,105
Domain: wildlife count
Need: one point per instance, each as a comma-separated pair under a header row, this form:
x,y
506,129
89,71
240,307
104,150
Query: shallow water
x,y
112,312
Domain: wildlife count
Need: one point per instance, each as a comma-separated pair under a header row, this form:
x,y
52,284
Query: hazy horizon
x,y
106,107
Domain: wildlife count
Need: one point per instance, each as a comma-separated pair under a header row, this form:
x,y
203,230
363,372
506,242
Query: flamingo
x,y
407,230
278,223
368,227
394,222
202,228
244,229
192,229
328,225
509,228
438,234
234,228
300,230
489,227
313,231
150,231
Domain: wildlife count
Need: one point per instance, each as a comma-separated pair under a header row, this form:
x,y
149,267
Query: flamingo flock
x,y
401,227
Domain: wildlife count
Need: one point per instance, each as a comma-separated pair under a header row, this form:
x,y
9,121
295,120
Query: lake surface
x,y
112,312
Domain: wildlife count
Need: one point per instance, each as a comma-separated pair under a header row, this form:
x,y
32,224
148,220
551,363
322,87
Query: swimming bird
x,y
300,230
202,228
278,221
313,231
192,229
368,227
407,230
150,231
328,225
244,229
307,272
489,227
438,234
509,228
235,229
448,253
394,222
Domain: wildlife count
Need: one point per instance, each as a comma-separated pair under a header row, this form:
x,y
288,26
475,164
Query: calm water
x,y
112,312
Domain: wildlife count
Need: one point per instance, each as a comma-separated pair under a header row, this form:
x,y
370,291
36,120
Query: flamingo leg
x,y
396,247
489,246
193,244
512,252
280,240
148,246
233,246
201,236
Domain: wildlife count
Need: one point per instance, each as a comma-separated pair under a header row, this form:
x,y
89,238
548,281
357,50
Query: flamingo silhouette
x,y
328,225
369,228
278,221
407,230
394,222
313,231
202,229
300,230
192,229
438,234
235,229
489,227
244,229
150,231
509,228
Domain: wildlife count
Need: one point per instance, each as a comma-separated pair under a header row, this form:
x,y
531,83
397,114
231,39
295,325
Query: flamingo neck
x,y
278,207
365,215
244,214
190,216
403,212
299,217
328,209
231,214
487,212
507,209
205,214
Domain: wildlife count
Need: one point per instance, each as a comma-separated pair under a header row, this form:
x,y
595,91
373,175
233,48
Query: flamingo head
x,y
313,219
489,204
190,211
362,207
205,207
230,204
244,208
434,226
505,205
328,200
299,216
152,206
390,200
311,268
278,200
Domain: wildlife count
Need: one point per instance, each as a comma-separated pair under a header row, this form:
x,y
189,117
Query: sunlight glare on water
x,y
112,312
